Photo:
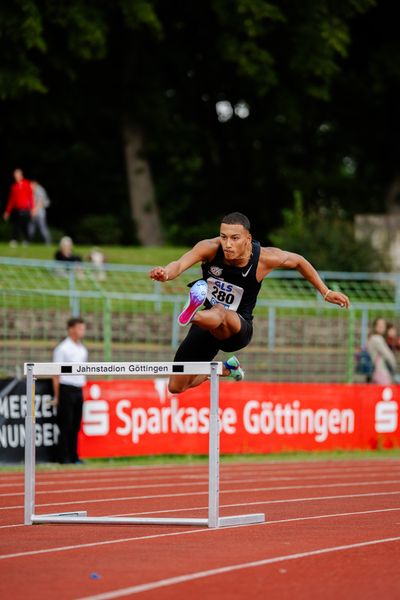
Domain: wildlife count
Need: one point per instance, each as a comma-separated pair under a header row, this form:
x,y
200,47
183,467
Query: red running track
x,y
332,530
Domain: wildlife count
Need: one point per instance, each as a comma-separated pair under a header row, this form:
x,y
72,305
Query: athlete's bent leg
x,y
198,346
221,323
209,328
180,383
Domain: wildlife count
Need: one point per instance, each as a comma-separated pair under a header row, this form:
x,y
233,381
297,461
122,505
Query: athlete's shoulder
x,y
269,253
207,249
272,258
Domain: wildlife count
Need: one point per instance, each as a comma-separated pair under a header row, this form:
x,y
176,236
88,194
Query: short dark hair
x,y
74,321
237,218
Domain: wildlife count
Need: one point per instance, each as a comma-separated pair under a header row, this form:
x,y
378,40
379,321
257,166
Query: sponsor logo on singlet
x,y
247,272
216,271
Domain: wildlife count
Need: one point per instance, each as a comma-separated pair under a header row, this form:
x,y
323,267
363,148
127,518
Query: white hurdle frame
x,y
213,369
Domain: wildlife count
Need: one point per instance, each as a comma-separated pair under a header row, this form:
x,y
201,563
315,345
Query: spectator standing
x,y
382,356
68,391
392,338
39,220
19,208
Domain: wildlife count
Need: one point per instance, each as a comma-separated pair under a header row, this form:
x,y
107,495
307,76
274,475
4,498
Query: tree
x,y
68,37
326,238
150,74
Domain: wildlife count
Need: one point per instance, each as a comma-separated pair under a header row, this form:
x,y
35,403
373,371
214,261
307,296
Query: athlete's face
x,y
235,241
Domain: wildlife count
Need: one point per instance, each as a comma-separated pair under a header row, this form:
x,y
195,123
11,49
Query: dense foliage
x,y
326,239
239,103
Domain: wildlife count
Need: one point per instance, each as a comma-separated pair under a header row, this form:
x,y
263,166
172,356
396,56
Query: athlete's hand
x,y
337,298
158,274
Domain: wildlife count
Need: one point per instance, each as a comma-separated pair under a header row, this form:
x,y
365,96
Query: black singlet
x,y
235,287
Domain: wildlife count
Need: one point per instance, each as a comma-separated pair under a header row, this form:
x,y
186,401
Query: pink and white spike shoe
x,y
197,297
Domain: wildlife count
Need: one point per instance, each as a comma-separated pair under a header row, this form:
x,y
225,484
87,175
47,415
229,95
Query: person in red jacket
x,y
19,207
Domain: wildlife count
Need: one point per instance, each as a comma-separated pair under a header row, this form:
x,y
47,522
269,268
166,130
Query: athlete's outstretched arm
x,y
274,258
200,252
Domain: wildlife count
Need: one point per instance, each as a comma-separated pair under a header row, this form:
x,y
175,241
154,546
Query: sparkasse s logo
x,y
386,413
96,419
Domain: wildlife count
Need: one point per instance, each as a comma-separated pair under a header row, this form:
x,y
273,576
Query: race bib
x,y
222,292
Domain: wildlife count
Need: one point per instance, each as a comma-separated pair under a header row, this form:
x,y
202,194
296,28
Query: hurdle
x,y
212,369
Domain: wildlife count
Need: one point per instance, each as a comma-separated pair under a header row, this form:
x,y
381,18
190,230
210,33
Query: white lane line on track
x,y
59,479
246,504
204,508
259,503
224,479
185,532
296,466
347,514
56,481
127,487
170,581
222,491
203,483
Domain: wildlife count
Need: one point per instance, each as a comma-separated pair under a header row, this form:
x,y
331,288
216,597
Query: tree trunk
x,y
393,196
143,204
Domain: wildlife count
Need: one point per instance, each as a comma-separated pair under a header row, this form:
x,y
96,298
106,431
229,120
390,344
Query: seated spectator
x,y
65,251
97,259
384,360
65,255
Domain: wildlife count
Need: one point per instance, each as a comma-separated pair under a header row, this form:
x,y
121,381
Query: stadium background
x,y
297,336
288,112
299,339
146,121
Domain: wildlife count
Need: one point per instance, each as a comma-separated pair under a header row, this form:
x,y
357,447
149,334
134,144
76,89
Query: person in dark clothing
x,y
65,251
233,268
68,391
66,257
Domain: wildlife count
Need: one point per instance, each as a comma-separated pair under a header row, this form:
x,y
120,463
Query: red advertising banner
x,y
139,417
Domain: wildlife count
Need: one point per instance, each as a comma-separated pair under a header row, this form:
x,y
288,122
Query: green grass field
x,y
128,255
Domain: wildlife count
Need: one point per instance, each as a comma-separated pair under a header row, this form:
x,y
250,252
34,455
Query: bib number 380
x,y
222,292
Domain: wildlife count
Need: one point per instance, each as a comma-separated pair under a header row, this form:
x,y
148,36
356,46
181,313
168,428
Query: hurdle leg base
x,y
82,518
241,520
68,515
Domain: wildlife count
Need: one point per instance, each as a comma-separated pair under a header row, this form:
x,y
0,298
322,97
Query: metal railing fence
x,y
297,336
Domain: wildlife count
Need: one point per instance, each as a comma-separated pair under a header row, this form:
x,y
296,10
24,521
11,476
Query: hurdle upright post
x,y
30,447
213,459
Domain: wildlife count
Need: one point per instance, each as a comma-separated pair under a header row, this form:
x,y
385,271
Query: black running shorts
x,y
201,346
